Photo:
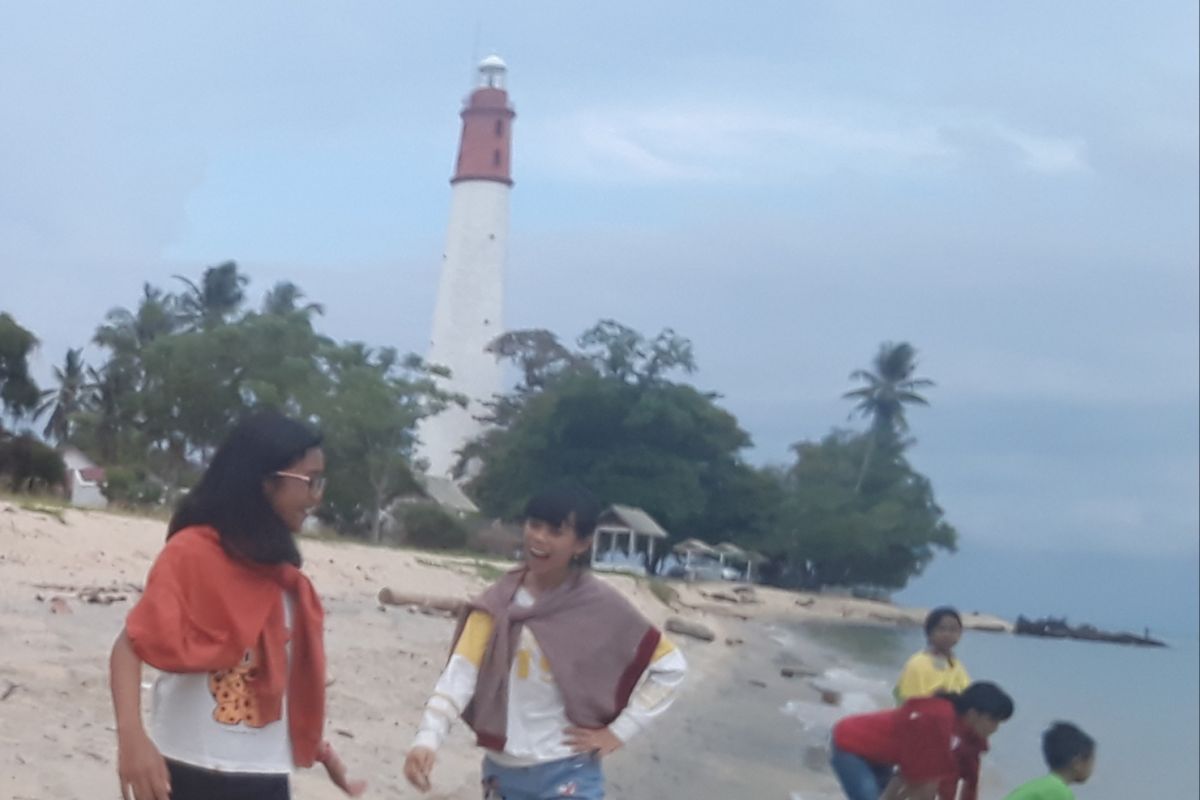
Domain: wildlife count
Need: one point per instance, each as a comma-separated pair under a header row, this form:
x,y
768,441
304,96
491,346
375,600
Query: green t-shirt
x,y
1050,787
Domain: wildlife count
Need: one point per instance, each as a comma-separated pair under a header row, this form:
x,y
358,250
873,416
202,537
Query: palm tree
x,y
127,333
71,397
284,299
213,301
113,404
887,390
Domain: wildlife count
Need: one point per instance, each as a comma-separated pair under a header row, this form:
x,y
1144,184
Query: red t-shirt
x,y
923,738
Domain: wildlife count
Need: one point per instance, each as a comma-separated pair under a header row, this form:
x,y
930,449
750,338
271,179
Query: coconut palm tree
x,y
127,333
887,390
71,397
284,299
218,295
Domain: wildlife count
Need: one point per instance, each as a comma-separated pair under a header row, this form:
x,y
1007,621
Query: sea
x,y
1142,705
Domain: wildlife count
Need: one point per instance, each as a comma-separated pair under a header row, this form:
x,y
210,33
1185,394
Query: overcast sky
x,y
1010,187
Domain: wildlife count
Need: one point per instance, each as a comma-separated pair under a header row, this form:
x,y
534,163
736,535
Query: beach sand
x,y
725,737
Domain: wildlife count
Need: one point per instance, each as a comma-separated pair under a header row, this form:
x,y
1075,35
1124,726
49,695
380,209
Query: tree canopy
x,y
614,410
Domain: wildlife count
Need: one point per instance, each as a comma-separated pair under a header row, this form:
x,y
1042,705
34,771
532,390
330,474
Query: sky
x,y
1011,188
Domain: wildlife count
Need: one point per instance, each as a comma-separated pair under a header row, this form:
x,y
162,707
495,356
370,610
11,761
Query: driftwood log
x,y
425,602
693,629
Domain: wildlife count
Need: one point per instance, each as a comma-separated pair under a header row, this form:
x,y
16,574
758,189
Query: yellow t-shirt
x,y
926,674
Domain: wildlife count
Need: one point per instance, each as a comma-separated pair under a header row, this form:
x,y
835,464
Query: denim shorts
x,y
578,777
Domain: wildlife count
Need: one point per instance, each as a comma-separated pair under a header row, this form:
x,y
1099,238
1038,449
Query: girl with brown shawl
x,y
546,666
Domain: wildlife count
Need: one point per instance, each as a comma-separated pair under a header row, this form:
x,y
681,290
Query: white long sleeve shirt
x,y
536,713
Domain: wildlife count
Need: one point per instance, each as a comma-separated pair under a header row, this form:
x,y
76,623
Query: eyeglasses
x,y
316,483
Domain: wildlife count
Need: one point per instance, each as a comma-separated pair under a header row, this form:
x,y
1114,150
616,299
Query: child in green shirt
x,y
1070,753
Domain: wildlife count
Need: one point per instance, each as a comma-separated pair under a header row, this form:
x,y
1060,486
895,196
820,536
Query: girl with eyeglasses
x,y
235,630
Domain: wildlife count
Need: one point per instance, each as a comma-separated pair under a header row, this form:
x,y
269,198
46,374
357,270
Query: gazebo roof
x,y
695,546
634,519
446,493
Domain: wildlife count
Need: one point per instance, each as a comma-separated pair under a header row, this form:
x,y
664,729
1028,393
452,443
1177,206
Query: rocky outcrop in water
x,y
1057,628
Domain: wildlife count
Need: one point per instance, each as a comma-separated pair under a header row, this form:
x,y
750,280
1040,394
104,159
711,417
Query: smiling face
x,y
549,549
292,497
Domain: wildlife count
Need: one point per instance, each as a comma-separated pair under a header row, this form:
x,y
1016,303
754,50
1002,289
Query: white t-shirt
x,y
209,720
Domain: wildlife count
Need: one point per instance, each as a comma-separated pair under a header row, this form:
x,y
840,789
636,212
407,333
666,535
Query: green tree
x,y
107,426
886,392
215,299
127,333
19,393
831,532
113,424
608,415
29,464
285,297
64,403
369,418
197,383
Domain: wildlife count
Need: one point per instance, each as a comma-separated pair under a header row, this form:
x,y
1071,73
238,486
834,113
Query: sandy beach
x,y
67,580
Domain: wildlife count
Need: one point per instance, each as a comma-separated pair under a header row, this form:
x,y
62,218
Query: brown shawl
x,y
597,644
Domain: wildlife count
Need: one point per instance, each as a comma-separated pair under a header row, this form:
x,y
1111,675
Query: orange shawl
x,y
202,610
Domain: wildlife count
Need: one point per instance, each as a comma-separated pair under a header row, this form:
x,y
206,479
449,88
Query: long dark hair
x,y
229,496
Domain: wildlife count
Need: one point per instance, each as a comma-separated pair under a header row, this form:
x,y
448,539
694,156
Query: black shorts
x,y
196,783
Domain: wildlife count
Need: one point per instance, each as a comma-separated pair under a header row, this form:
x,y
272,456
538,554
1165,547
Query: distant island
x,y
1057,628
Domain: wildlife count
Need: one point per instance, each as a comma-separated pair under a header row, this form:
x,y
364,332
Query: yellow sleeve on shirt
x,y
665,648
473,641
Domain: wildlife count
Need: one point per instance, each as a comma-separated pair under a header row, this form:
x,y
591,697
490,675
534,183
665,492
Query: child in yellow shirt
x,y
935,669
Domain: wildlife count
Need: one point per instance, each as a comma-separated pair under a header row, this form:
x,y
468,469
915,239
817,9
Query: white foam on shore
x,y
845,681
855,695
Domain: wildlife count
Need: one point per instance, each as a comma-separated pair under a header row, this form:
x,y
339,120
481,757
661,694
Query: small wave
x,y
844,681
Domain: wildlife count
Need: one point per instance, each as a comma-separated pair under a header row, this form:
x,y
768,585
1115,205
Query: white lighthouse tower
x,y
470,298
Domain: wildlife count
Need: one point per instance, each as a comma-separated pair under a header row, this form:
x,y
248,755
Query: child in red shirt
x,y
923,749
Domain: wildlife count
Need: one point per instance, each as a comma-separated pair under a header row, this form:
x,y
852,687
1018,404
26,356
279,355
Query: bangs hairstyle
x,y
566,503
230,497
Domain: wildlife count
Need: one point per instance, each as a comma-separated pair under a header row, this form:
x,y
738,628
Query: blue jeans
x,y
860,779
578,778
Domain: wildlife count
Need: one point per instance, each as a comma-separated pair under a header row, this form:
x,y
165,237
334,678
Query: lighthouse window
x,y
499,127
496,158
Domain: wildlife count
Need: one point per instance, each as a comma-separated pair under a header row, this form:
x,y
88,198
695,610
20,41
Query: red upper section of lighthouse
x,y
485,151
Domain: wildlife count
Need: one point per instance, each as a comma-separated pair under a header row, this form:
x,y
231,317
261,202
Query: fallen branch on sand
x,y
425,602
99,595
12,687
738,595
693,629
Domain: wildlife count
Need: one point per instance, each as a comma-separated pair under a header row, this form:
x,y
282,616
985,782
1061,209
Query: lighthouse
x,y
470,299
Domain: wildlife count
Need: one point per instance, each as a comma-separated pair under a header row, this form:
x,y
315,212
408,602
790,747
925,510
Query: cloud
x,y
980,137
686,143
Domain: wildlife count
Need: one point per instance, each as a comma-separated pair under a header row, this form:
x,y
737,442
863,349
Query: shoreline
x,y
67,580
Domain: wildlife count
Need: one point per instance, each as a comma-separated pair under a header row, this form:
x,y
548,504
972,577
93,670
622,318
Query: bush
x,y
31,465
495,539
428,526
128,486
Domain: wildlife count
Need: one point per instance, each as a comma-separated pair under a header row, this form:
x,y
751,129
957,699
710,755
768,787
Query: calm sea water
x,y
1142,705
